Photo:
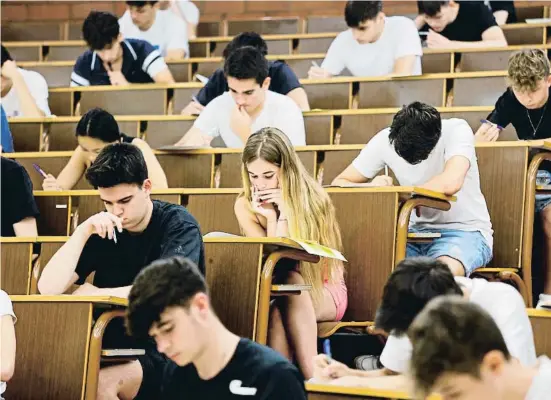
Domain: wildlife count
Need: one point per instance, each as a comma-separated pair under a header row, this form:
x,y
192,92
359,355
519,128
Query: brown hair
x,y
526,68
451,335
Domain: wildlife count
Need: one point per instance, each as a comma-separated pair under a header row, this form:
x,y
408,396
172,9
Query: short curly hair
x,y
527,68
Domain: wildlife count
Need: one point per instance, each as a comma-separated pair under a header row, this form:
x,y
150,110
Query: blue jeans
x,y
543,200
467,247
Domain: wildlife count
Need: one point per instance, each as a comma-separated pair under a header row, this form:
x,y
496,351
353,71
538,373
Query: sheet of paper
x,y
319,250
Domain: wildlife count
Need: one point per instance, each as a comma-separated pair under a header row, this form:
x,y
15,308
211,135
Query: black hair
x,y
413,283
118,163
140,4
430,8
100,29
247,63
252,39
99,124
6,56
356,12
164,283
415,131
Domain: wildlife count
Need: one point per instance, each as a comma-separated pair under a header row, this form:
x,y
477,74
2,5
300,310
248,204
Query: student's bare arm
x,y
350,176
451,180
419,21
88,289
7,348
73,171
247,220
175,54
26,228
404,65
156,173
501,17
194,137
396,382
29,108
300,97
165,76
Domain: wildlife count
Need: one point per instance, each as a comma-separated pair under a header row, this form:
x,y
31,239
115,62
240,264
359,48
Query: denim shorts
x,y
468,247
543,200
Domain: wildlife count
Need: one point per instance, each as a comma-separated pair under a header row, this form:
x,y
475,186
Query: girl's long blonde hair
x,y
310,212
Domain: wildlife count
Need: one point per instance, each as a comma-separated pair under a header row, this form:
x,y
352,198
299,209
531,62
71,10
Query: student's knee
x,y
295,278
455,266
108,385
546,221
120,381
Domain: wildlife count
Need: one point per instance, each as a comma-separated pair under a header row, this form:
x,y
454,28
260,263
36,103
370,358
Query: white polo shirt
x,y
504,304
168,32
6,308
399,39
279,111
39,91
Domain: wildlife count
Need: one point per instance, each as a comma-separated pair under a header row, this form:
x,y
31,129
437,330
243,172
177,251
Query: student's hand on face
x,y
272,196
318,73
9,69
382,180
437,41
240,121
487,133
193,108
327,370
103,224
86,289
267,210
117,78
50,183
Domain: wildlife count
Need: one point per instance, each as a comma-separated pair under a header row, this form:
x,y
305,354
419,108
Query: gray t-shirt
x,y
541,385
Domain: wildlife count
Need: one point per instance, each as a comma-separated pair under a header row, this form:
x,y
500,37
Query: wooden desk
x,y
59,345
541,324
331,392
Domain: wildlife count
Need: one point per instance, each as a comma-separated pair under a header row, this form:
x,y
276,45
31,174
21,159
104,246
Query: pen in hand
x,y
485,121
40,171
327,350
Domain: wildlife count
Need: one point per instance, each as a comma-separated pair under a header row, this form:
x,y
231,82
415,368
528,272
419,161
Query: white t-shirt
x,y
168,32
399,39
541,385
502,302
189,11
279,111
39,91
6,308
469,212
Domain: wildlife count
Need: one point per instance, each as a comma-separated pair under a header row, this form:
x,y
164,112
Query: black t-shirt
x,y
508,110
508,6
473,19
254,372
283,80
17,196
171,231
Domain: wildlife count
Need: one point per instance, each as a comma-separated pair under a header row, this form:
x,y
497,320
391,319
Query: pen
x,y
386,170
485,121
327,349
39,170
115,235
195,99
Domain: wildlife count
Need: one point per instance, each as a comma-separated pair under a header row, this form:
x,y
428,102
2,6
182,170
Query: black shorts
x,y
154,366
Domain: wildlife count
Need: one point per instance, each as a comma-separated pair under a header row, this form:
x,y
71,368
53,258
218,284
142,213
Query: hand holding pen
x,y
488,131
50,182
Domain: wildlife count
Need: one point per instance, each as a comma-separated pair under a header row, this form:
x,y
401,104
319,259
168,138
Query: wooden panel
x,y
214,212
48,251
524,13
30,31
25,53
208,29
335,162
359,129
264,27
60,103
542,334
341,396
51,165
187,171
233,268
55,75
301,68
26,137
15,268
65,53
62,136
61,345
400,92
325,24
274,47
332,96
207,68
181,98
434,63
485,61
123,102
180,72
318,45
503,189
473,119
198,50
164,133
530,35
370,252
54,215
478,91
318,129
75,30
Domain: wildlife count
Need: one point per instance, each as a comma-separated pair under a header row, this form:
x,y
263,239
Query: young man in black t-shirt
x,y
169,302
525,104
282,78
458,25
117,244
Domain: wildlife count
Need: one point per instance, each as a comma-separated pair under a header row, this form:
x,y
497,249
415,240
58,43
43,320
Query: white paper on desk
x,y
203,79
537,20
317,249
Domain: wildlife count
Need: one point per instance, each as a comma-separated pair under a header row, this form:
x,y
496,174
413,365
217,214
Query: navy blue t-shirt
x,y
140,63
283,80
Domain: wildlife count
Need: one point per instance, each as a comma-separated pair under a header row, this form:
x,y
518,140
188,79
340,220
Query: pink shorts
x,y
339,293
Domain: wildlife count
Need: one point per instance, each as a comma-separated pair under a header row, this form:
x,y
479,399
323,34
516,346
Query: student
x,y
281,199
460,352
282,78
374,45
504,11
114,60
424,151
95,130
466,24
19,210
247,107
24,93
143,20
169,301
6,140
118,243
413,283
186,11
525,105
7,338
